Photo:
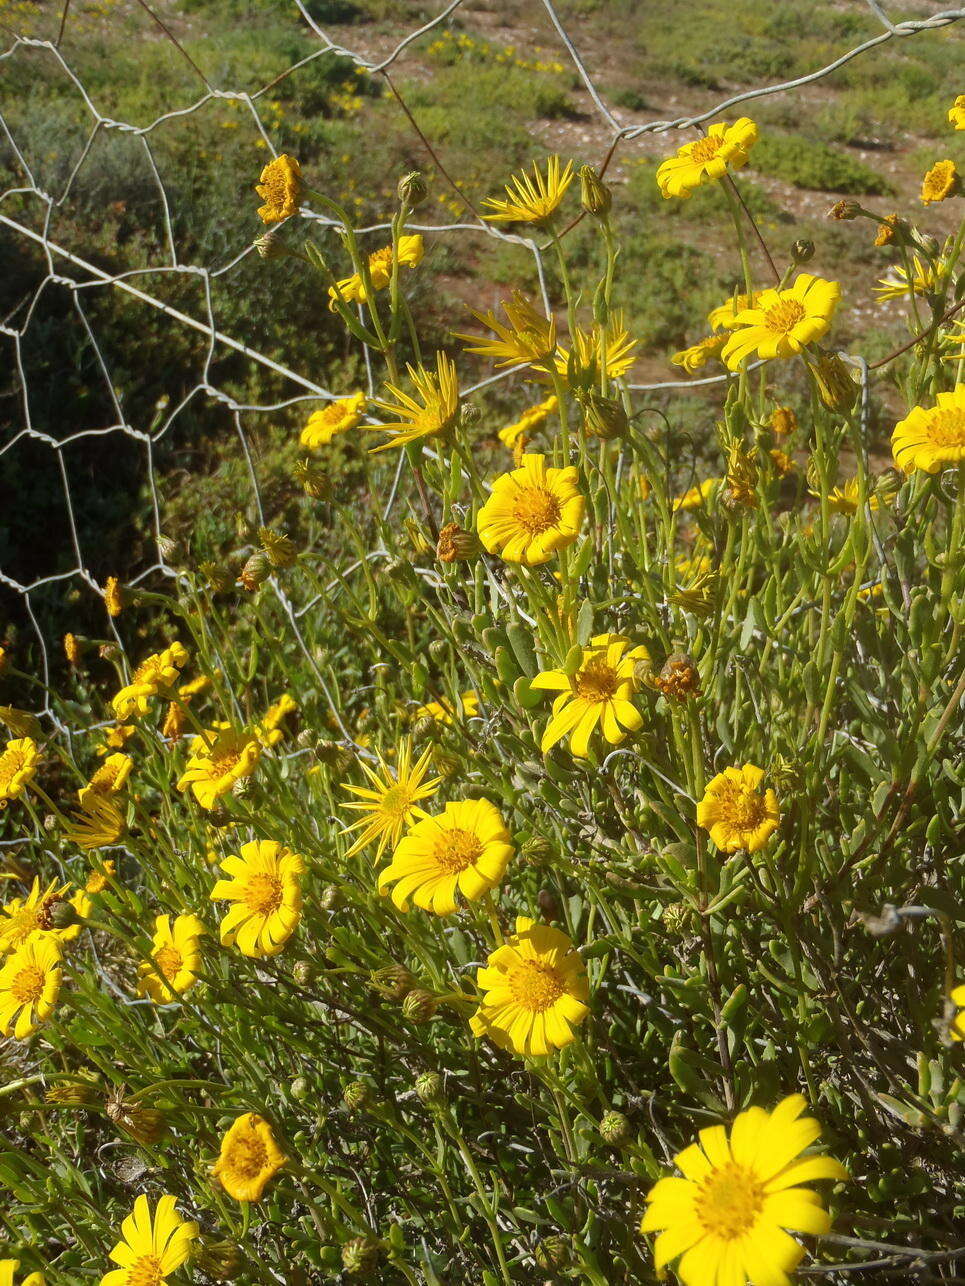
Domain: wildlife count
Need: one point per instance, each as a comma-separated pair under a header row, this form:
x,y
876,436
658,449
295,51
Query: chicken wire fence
x,y
70,272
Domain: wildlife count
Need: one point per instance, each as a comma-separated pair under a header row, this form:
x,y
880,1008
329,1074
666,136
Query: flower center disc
x,y
169,960
457,849
263,893
146,1271
395,802
248,1157
729,1201
535,986
597,681
536,509
947,428
783,317
28,985
741,808
705,149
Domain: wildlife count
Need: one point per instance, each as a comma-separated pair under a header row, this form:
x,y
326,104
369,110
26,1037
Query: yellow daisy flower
x,y
530,419
443,711
269,731
155,676
280,189
336,417
249,1158
532,512
109,779
175,959
941,181
7,1269
530,337
23,918
99,824
265,887
736,812
932,438
926,279
29,985
152,1247
700,496
534,991
581,367
724,316
693,358
956,113
18,764
465,849
217,761
532,200
783,322
731,1213
597,694
435,411
845,499
393,801
724,147
957,1029
352,289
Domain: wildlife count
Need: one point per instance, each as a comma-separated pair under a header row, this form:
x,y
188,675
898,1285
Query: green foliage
x,y
810,164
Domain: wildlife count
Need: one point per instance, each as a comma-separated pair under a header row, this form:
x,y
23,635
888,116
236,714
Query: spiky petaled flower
x,y
693,358
724,147
532,512
931,438
530,419
113,596
175,959
391,802
109,779
249,1158
532,199
724,316
269,730
7,1269
18,764
29,985
529,338
24,918
956,113
434,410
155,676
700,496
926,279
783,421
280,189
352,289
99,824
739,1198
736,812
264,886
464,850
846,499
596,695
220,758
152,1246
580,367
534,991
941,182
336,417
783,322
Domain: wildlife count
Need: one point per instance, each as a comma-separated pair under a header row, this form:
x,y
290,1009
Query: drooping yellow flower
x,y
693,358
152,1247
175,959
532,200
392,802
7,1269
886,230
926,279
941,181
597,694
265,888
352,289
581,366
249,1158
109,779
934,437
269,731
846,498
783,322
280,189
956,113
113,596
724,316
724,147
29,985
532,512
435,410
731,1213
956,1028
530,419
336,417
534,991
736,812
444,712
18,764
218,760
99,824
116,738
24,918
155,676
100,877
700,496
464,850
529,338
783,421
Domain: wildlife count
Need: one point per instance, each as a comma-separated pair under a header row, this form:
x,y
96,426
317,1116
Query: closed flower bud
x,y
802,250
537,851
454,544
419,1006
304,973
360,1255
330,898
844,210
280,548
255,571
413,189
614,1128
468,415
423,727
439,649
244,788
129,1170
430,1090
417,537
677,917
301,1089
888,484
334,756
71,1095
222,1260
271,245
109,652
554,1253
603,417
219,578
595,195
394,981
836,386
926,243
447,762
218,816
357,1096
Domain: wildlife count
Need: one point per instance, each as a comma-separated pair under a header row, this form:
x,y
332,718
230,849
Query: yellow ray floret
x,y
264,887
532,200
782,322
532,512
724,147
932,438
152,1246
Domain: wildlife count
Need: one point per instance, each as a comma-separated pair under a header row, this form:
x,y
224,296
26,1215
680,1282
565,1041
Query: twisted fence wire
x,y
87,277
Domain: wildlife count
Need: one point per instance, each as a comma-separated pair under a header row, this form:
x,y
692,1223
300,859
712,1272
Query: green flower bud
x,y
357,1096
419,1006
430,1090
537,851
614,1128
360,1255
413,189
393,981
595,195
554,1253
